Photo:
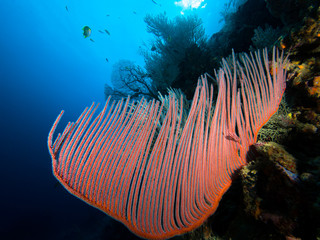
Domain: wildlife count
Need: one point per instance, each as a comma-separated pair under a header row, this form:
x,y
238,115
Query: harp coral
x,y
167,180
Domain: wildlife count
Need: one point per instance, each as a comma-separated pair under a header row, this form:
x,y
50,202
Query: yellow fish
x,y
86,31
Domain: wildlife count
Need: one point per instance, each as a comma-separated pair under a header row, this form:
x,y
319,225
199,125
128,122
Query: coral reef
x,y
279,194
279,126
274,192
281,183
303,46
280,186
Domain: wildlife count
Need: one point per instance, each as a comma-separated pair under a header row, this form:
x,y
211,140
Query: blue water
x,y
46,66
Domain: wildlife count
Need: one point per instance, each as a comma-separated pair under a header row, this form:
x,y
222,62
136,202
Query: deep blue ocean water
x,y
47,65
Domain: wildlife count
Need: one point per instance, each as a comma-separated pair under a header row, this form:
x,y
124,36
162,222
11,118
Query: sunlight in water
x,y
190,4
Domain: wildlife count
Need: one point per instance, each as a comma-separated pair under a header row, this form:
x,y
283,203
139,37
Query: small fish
x,y
108,15
107,59
86,31
153,48
292,176
156,3
100,31
91,40
232,136
134,12
107,32
67,8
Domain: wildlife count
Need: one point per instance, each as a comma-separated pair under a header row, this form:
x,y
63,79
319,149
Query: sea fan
x,y
165,181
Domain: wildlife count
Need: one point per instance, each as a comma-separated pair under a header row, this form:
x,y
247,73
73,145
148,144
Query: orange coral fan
x,y
164,181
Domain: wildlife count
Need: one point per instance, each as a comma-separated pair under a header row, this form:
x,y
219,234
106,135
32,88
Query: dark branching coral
x,y
129,79
176,45
266,37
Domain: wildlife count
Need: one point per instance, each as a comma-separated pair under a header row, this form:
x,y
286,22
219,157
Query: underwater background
x,y
48,65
